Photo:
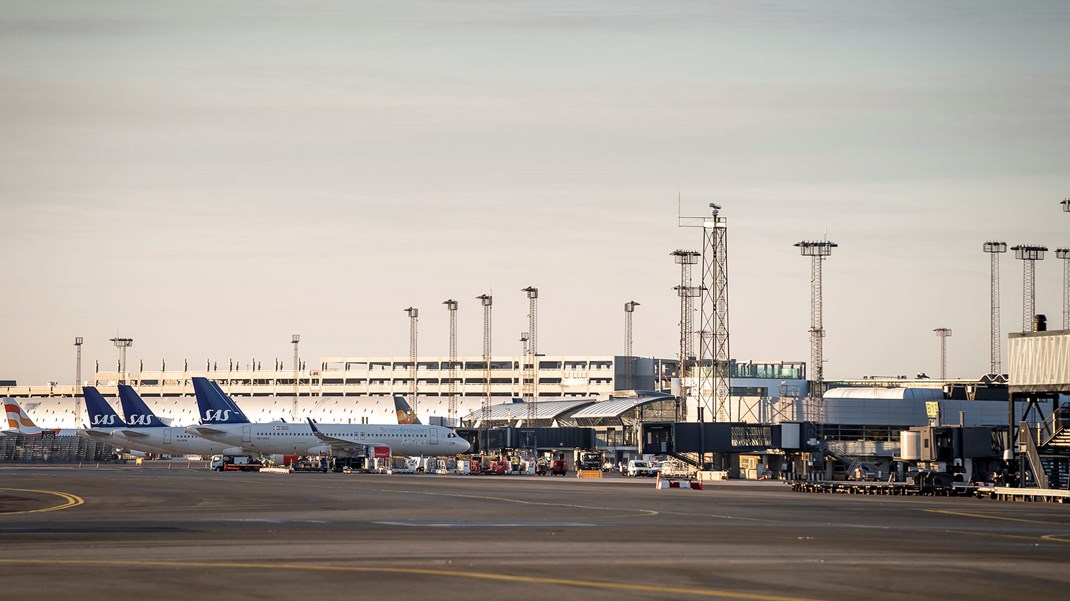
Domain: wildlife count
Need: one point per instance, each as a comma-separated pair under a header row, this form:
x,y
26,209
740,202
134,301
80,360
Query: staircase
x,y
1049,462
688,458
837,451
1057,467
1057,428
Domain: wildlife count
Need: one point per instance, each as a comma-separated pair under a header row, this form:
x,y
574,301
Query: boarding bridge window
x,y
749,391
752,436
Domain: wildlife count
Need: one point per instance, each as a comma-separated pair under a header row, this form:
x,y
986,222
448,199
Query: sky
x,y
210,177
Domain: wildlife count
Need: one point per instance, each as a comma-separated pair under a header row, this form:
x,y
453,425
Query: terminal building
x,y
624,406
612,396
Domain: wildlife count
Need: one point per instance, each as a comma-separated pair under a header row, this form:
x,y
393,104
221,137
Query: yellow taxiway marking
x,y
71,501
619,586
993,517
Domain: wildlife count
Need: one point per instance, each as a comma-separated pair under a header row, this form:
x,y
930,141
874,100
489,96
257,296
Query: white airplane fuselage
x,y
298,439
173,440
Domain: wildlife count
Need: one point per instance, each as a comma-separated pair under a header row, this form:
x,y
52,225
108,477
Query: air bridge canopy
x,y
1039,362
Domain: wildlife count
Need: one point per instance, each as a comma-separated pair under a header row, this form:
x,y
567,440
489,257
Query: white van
x,y
638,467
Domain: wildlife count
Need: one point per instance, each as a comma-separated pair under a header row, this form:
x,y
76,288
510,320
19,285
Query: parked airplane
x,y
105,425
20,423
144,428
339,440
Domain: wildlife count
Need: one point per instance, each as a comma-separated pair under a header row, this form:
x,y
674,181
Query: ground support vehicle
x,y
589,460
558,466
639,467
234,463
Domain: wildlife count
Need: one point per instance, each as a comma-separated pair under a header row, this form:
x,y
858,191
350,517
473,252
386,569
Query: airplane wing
x,y
97,434
134,434
347,445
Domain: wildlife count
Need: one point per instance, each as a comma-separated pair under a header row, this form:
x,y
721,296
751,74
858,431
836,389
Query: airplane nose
x,y
465,445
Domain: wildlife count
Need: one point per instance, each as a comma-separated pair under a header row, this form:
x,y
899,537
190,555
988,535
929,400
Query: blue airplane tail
x,y
214,405
101,415
137,412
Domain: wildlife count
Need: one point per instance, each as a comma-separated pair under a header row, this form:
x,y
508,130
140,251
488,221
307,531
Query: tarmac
x,y
168,531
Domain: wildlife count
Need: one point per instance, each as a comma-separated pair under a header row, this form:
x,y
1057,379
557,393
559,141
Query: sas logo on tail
x,y
140,420
104,420
221,415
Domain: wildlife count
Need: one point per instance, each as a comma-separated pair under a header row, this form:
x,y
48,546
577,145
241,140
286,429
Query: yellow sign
x,y
932,408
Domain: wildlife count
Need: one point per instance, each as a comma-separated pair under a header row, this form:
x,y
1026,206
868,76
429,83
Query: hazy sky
x,y
209,177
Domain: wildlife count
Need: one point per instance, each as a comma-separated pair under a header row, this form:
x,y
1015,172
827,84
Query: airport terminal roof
x,y
618,406
543,410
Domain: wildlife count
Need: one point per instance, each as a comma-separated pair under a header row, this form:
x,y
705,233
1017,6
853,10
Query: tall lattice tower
x,y
943,333
1064,254
687,293
451,305
1029,254
817,251
531,361
414,315
78,381
995,249
487,301
295,340
122,344
629,367
714,365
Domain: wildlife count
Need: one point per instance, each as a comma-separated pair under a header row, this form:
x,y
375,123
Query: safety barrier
x,y
666,483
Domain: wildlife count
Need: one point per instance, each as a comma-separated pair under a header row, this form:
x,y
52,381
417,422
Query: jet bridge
x,y
718,443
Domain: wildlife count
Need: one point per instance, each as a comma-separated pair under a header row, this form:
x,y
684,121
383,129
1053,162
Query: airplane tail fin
x,y
404,412
17,419
137,412
100,412
214,405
